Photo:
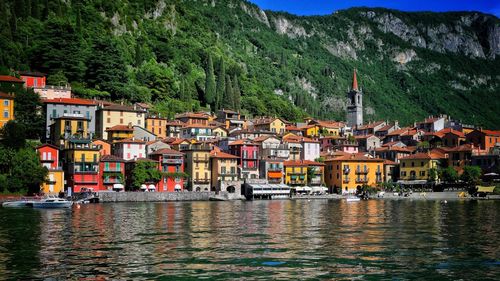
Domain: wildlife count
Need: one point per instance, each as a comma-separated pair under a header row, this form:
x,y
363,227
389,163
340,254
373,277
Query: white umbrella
x,y
324,188
177,187
144,187
307,188
118,186
491,174
151,187
299,188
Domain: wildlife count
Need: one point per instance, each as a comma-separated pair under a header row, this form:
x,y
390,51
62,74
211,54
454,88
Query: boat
x,y
52,203
18,204
352,199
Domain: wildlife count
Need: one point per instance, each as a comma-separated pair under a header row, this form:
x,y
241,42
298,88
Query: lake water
x,y
319,239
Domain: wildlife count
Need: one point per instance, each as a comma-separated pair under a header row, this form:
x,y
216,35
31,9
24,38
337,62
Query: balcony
x,y
346,180
363,171
86,181
112,180
249,157
172,161
112,170
346,171
201,181
201,159
361,180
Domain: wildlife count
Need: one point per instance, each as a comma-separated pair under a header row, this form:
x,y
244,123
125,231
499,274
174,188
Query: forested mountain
x,y
184,54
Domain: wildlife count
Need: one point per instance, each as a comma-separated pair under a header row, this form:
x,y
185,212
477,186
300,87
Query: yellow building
x,y
310,131
348,172
81,165
303,172
197,166
275,125
219,131
113,115
49,158
6,108
69,126
330,128
416,167
224,167
157,126
120,132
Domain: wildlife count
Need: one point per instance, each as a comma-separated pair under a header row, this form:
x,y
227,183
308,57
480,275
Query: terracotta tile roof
x,y
433,155
197,126
358,157
196,115
294,138
119,107
394,148
111,158
267,120
75,101
443,132
389,162
167,151
12,79
47,144
175,123
262,138
330,124
491,133
392,143
430,120
179,141
386,127
6,96
370,125
461,148
292,128
138,141
242,142
290,163
365,136
216,153
120,128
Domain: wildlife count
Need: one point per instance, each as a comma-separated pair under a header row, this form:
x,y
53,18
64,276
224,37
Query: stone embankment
x,y
108,197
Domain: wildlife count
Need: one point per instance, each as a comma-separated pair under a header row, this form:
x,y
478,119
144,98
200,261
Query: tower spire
x,y
354,81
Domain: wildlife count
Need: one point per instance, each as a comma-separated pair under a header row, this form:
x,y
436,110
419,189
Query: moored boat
x,y
18,204
52,203
352,199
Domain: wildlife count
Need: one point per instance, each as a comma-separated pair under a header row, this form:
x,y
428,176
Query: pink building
x,y
248,158
130,149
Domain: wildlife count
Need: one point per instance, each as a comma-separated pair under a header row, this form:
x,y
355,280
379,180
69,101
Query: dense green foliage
x,y
471,174
448,175
164,51
145,172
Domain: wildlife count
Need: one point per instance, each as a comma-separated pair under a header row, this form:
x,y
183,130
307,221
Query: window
x,y
5,114
139,122
128,155
404,164
108,120
44,156
422,164
422,173
121,120
6,102
54,113
412,164
109,112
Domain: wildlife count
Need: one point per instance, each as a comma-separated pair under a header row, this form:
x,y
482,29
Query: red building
x,y
111,173
171,164
33,79
247,152
49,155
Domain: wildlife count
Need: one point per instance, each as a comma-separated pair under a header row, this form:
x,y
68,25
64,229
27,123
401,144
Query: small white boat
x,y
52,203
18,204
352,199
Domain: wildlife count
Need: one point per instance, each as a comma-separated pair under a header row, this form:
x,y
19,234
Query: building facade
x,y
6,107
355,105
112,115
49,158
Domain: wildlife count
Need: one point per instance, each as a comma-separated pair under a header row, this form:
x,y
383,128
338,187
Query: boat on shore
x,y
352,199
52,203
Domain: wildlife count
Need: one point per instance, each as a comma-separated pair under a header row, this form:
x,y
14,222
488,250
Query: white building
x,y
130,149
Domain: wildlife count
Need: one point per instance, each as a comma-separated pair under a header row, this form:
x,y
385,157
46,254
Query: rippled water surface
x,y
316,239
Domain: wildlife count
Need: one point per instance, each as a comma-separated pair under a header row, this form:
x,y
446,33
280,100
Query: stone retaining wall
x,y
106,197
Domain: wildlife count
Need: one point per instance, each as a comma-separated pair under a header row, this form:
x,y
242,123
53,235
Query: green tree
x,y
221,85
237,93
106,68
26,173
145,172
433,174
27,110
57,79
13,135
229,95
210,87
448,175
471,175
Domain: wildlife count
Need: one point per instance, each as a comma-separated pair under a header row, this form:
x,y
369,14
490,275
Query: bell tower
x,y
355,104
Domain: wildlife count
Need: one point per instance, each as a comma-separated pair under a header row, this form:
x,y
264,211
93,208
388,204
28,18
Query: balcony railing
x,y
363,171
201,181
112,170
201,159
361,180
172,161
112,181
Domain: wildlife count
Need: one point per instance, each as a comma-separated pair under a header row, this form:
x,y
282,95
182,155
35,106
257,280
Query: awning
x,y
151,187
144,187
485,189
118,186
299,188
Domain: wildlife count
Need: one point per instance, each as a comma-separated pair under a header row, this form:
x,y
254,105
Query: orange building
x,y
484,139
157,126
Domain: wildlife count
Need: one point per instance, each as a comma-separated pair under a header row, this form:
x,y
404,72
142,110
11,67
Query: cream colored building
x,y
112,115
